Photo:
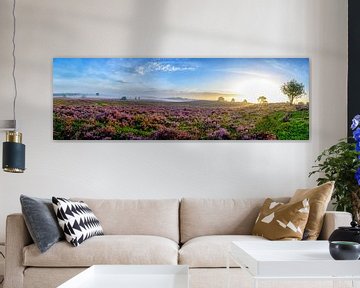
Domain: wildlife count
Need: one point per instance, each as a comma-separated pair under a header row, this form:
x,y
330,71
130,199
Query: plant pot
x,y
350,234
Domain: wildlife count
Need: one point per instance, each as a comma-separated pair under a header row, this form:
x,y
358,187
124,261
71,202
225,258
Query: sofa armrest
x,y
17,237
333,220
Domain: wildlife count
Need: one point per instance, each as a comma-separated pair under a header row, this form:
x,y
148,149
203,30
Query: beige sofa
x,y
194,232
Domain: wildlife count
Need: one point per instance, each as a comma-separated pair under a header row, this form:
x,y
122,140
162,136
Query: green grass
x,y
286,125
59,127
124,131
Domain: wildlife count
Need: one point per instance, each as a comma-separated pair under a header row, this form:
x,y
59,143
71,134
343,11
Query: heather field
x,y
96,119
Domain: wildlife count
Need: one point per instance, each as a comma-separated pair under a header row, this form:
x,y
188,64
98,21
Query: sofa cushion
x,y
211,251
200,217
35,277
158,217
41,221
319,198
107,249
76,220
279,221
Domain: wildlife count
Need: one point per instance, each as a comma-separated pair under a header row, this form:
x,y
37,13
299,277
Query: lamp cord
x,y
14,60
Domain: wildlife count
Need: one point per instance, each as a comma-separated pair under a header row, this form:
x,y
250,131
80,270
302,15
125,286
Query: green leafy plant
x,y
340,163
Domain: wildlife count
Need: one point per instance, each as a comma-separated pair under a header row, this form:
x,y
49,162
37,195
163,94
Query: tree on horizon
x,y
293,90
262,100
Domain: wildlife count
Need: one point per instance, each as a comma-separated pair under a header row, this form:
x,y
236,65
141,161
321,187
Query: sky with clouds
x,y
191,78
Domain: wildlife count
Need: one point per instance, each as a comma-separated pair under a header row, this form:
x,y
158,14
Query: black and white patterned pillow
x,y
77,220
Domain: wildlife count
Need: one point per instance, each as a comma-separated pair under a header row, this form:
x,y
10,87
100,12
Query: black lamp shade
x,y
13,157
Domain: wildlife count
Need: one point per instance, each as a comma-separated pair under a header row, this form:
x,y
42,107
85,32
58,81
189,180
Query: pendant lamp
x,y
13,159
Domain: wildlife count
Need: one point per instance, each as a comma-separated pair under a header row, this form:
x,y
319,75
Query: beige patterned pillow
x,y
279,221
319,198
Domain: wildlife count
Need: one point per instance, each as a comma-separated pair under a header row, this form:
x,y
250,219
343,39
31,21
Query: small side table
x,y
136,276
289,261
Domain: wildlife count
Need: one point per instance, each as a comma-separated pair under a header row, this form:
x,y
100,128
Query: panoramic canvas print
x,y
181,98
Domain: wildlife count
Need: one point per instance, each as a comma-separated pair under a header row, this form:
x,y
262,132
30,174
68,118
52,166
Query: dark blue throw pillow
x,y
41,221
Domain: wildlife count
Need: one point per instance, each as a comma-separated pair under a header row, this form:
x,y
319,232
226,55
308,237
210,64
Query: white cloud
x,y
164,67
140,70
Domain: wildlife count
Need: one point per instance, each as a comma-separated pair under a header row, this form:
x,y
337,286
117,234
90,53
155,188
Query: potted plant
x,y
341,163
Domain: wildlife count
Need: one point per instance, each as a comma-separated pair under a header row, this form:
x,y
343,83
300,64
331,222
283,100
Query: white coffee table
x,y
131,276
285,260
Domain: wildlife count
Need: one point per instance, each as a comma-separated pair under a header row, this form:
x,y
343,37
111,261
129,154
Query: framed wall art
x,y
181,98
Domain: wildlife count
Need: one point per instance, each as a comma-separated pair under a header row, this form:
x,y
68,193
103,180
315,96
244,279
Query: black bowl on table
x,y
344,250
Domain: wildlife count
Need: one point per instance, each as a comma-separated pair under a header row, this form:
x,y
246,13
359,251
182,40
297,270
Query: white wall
x,y
168,28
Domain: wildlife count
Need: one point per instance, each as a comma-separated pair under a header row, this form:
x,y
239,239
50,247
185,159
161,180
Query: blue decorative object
x,y
356,134
355,122
357,176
